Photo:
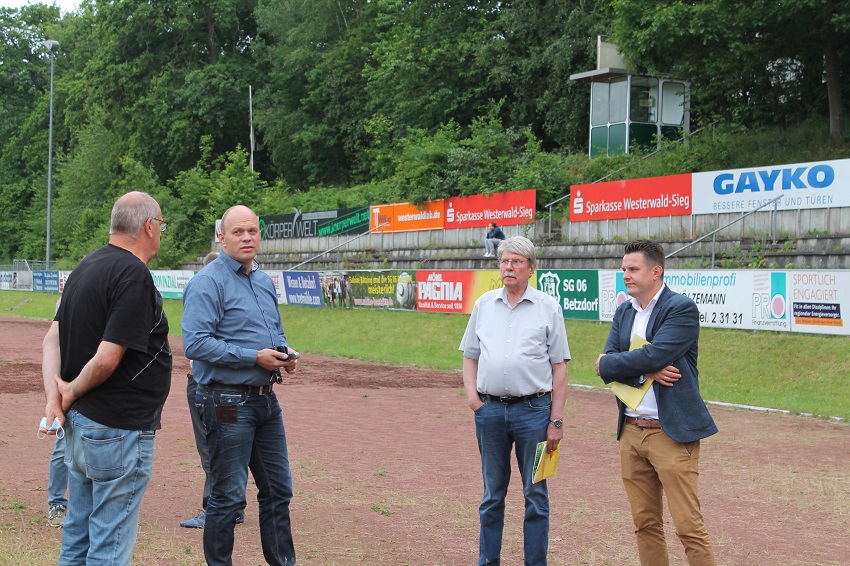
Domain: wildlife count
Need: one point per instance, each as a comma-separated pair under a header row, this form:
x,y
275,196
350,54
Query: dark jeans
x,y
246,430
200,437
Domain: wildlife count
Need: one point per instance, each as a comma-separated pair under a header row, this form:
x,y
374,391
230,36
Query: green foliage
x,y
199,196
766,65
360,102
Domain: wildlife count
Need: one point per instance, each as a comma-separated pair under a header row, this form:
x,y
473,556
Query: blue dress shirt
x,y
228,316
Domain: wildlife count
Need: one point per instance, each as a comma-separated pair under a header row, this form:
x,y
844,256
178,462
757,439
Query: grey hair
x,y
519,245
131,211
209,258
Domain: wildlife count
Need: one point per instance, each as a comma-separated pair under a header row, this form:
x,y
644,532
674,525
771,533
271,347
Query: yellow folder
x,y
632,396
545,463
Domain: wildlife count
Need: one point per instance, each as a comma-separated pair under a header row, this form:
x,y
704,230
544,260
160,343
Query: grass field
x,y
801,373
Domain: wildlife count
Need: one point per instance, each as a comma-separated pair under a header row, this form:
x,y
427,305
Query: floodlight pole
x,y
52,46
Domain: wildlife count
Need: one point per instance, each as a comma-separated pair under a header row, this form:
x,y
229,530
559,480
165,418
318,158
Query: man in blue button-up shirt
x,y
231,326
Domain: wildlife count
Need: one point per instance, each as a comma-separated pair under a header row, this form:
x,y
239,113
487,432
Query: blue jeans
x,y
498,426
109,470
57,479
246,431
200,437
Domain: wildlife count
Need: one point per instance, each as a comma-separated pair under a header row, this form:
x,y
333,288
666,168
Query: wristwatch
x,y
557,423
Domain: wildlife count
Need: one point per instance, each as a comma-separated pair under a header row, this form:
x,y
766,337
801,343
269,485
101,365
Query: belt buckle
x,y
506,398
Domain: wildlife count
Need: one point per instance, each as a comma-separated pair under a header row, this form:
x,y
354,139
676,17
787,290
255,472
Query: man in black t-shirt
x,y
107,373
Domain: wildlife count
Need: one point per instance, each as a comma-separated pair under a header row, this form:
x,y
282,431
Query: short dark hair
x,y
652,251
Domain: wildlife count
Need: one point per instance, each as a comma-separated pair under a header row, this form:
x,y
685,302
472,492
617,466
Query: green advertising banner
x,y
577,291
394,289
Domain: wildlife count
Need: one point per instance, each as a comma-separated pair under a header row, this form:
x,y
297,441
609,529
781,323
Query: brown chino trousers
x,y
654,464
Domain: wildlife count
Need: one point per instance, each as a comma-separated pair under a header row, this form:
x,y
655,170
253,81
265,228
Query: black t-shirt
x,y
111,297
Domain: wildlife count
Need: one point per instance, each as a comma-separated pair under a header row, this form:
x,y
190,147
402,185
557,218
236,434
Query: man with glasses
x,y
515,355
107,372
231,332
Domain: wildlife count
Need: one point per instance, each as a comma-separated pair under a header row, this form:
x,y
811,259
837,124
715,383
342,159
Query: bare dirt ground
x,y
386,471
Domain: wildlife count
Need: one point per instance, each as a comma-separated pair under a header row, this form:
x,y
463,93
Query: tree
x,y
538,45
767,59
312,107
168,73
24,115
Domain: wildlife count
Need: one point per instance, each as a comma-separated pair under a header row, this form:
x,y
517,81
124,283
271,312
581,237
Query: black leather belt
x,y
249,389
510,399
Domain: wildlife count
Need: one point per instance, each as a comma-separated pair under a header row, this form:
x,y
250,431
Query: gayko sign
x,y
820,184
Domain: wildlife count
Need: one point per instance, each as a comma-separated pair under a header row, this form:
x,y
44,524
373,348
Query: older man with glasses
x,y
515,354
107,371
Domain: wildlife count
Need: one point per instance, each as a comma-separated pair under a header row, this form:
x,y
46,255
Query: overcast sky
x,y
64,5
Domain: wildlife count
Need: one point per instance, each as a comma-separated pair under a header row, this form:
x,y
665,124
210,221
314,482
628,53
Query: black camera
x,y
292,355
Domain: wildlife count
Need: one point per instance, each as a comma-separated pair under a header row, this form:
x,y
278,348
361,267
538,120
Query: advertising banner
x,y
820,184
299,288
406,217
277,280
314,224
336,288
755,300
170,284
63,276
444,291
383,289
577,291
819,301
45,281
455,291
8,280
347,221
505,209
634,198
747,299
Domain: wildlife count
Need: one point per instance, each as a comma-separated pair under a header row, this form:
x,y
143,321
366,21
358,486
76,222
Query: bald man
x,y
233,334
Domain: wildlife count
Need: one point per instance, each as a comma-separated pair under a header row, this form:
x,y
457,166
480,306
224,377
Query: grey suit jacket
x,y
673,333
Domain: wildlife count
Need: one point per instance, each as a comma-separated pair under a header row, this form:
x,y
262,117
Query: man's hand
x,y
597,364
52,410
554,435
271,359
667,376
66,395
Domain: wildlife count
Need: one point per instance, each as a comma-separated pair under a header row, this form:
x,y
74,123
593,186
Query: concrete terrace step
x,y
816,252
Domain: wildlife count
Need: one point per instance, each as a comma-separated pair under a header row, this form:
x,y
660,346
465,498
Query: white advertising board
x,y
747,299
170,284
819,301
819,184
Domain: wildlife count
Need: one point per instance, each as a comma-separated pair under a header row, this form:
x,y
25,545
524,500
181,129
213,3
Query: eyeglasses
x,y
163,225
512,262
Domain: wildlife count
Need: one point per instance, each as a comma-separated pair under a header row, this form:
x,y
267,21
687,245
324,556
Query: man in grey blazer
x,y
659,439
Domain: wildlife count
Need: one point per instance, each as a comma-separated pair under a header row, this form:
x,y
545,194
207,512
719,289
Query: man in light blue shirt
x,y
515,355
231,328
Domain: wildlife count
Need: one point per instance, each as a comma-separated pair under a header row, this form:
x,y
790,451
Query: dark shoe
x,y
195,522
240,518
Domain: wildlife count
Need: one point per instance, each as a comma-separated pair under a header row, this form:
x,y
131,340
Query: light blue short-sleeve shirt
x,y
515,347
